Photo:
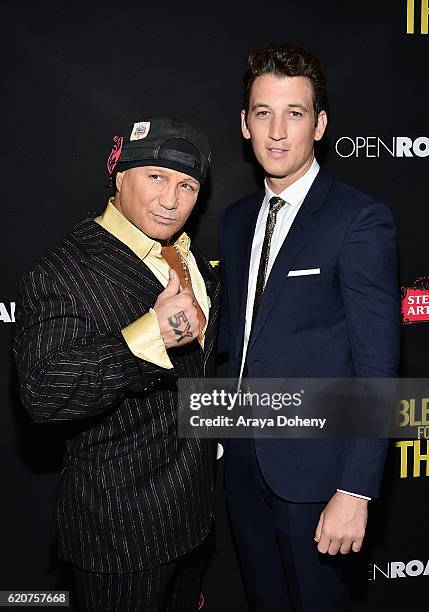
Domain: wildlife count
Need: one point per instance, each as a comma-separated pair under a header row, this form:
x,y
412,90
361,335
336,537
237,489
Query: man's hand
x,y
342,524
176,312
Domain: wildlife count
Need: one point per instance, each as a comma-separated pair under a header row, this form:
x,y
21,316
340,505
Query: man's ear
x,y
118,180
322,122
244,128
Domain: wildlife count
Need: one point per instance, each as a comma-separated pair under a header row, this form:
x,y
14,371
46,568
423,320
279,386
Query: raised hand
x,y
177,314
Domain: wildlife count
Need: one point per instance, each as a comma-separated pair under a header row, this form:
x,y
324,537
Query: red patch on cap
x,y
115,153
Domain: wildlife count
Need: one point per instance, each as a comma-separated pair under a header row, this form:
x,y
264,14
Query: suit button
x,y
258,360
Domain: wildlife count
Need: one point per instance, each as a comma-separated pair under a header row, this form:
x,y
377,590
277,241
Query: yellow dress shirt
x,y
143,336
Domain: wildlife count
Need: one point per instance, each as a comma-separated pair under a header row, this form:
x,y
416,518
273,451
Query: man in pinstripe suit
x,y
106,324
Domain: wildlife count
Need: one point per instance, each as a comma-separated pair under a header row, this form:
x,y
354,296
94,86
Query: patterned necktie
x,y
275,205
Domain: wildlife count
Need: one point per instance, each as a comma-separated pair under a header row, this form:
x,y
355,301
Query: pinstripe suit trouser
x,y
172,587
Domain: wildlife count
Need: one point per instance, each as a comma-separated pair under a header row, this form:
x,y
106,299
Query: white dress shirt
x,y
294,196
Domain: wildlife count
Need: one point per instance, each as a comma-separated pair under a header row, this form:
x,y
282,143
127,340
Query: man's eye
x,y
262,114
296,114
188,187
155,177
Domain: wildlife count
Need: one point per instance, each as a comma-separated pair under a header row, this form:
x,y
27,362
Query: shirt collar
x,y
116,224
295,193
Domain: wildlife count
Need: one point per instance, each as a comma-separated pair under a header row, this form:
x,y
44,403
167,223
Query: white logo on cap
x,y
140,130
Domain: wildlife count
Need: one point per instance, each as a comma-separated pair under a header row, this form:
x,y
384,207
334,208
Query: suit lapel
x,y
211,280
108,256
295,241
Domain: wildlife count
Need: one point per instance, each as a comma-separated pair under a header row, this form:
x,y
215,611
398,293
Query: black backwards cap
x,y
164,142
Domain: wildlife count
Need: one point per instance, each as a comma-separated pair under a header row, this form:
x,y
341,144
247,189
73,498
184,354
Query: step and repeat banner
x,y
73,76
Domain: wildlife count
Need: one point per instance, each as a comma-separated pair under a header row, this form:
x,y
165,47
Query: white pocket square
x,y
304,272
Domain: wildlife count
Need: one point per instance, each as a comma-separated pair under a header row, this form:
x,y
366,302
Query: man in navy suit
x,y
309,290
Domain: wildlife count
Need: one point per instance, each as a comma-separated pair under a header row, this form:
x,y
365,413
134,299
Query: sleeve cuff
x,y
354,494
144,340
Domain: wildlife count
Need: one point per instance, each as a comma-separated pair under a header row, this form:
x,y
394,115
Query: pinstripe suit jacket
x,y
132,494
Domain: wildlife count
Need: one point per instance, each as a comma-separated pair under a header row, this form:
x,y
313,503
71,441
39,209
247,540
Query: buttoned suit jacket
x,y
132,494
341,323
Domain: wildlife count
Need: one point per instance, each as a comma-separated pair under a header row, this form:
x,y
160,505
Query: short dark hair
x,y
286,60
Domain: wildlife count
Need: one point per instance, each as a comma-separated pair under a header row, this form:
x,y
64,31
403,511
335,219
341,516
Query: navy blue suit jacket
x,y
343,322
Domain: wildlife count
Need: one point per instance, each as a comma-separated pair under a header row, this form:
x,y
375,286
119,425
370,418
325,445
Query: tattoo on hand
x,y
175,320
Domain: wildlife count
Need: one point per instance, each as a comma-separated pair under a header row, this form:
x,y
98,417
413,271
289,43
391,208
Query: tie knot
x,y
275,204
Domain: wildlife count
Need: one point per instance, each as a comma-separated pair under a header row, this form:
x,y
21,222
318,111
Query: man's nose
x,y
278,129
168,198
